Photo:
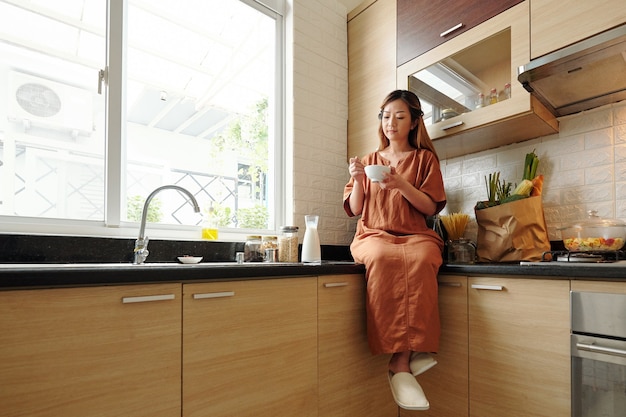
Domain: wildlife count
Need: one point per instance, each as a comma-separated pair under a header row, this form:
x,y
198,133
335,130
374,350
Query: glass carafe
x,y
311,250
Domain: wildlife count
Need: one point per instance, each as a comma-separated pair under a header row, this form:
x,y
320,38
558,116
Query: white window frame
x,y
115,127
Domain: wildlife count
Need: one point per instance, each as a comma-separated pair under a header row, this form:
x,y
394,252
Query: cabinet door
x,y
519,358
446,385
555,24
250,348
105,351
371,72
483,58
424,24
352,382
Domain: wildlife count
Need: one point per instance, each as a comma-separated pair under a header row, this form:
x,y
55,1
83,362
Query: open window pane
x,y
200,100
52,132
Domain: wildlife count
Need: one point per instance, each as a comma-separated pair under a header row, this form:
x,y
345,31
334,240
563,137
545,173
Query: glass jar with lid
x,y
288,244
252,249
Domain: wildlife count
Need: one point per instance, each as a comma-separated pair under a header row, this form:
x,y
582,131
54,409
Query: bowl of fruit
x,y
594,234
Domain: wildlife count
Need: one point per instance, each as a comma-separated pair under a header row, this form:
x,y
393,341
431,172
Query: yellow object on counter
x,y
209,233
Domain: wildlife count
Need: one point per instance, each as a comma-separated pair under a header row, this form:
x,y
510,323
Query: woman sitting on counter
x,y
401,254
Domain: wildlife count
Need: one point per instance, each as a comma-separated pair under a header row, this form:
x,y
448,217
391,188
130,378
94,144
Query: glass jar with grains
x,y
288,244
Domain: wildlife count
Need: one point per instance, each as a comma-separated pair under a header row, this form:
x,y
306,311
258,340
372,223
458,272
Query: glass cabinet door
x,y
471,79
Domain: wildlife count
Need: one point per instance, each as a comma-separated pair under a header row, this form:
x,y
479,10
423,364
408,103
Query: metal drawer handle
x,y
148,298
449,284
451,125
214,295
487,287
335,284
449,31
601,349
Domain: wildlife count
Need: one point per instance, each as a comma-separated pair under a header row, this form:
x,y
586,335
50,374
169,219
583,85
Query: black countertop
x,y
22,276
556,270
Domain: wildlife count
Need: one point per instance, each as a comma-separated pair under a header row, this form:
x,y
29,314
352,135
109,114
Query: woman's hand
x,y
357,172
356,169
393,180
418,199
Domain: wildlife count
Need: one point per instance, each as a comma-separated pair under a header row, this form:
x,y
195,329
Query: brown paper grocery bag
x,y
512,232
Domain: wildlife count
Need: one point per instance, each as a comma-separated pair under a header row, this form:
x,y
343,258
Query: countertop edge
x,y
23,277
547,270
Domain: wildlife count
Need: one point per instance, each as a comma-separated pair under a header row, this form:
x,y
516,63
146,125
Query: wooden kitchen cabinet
x,y
250,348
555,24
446,385
484,57
371,71
96,351
425,24
519,355
352,381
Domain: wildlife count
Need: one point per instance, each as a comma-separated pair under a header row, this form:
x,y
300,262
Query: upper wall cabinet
x,y
454,82
371,71
425,24
555,24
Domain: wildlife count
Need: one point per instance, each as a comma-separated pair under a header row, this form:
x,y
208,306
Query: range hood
x,y
581,76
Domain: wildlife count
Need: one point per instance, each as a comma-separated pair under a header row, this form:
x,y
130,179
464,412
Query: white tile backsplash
x,y
584,167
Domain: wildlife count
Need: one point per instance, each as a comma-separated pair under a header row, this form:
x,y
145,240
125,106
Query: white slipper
x,y
421,362
407,392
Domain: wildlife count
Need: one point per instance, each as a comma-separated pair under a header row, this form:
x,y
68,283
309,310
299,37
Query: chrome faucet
x,y
141,244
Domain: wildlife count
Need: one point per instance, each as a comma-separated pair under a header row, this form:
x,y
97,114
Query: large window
x,y
190,94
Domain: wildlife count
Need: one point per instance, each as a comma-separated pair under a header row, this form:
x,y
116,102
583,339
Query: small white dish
x,y
376,172
189,259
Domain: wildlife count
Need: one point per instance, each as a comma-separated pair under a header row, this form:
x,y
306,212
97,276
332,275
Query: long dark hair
x,y
418,136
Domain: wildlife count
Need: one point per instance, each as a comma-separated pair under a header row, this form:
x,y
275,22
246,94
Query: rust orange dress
x,y
402,256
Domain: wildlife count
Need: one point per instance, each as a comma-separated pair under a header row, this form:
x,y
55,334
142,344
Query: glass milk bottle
x,y
311,250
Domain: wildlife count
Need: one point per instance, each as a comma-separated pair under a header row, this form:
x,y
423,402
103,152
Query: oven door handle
x,y
601,349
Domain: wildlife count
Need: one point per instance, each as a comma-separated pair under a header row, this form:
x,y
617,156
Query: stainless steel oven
x,y
598,346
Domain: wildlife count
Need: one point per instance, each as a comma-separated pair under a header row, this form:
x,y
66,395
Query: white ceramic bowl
x,y
376,172
190,259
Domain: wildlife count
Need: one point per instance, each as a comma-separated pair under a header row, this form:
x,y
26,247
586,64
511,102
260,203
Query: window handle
x,y
101,79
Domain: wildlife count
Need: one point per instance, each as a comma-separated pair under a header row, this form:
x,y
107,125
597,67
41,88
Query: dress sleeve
x,y
347,190
432,184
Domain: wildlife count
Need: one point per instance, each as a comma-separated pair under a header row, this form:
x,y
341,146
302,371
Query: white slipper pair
x,y
407,392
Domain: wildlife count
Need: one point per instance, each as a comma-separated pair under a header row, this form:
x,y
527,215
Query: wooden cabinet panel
x,y
446,385
371,72
82,352
352,381
519,357
424,24
513,120
555,24
250,348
